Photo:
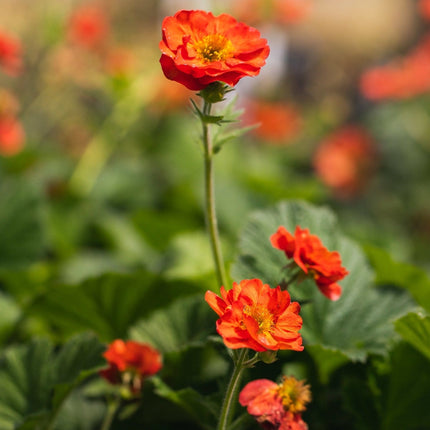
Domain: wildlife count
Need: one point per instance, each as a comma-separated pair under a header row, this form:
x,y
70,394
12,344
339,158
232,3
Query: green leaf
x,y
408,391
109,305
390,272
21,224
360,322
35,379
186,322
201,409
415,329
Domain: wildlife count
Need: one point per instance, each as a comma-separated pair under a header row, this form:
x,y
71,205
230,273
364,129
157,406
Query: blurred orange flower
x,y
424,8
253,315
199,48
313,258
345,160
130,362
120,61
89,27
11,135
277,122
403,78
277,406
10,54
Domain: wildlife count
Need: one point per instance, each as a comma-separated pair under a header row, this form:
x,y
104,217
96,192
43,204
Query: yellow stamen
x,y
294,394
214,47
262,316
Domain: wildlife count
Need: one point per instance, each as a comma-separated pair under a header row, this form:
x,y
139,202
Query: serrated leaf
x,y
391,272
201,409
109,304
31,373
186,322
21,226
408,391
360,322
415,329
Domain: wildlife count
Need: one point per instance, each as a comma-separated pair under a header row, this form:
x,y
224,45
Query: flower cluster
x,y
345,160
277,406
130,363
315,260
12,135
199,48
253,315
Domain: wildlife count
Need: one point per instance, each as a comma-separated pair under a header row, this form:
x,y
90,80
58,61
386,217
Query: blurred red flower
x,y
292,11
345,160
424,8
130,362
199,48
402,78
253,315
277,122
89,27
313,258
10,54
277,406
11,135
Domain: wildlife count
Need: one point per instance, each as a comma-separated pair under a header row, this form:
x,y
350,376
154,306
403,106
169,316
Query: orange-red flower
x,y
345,160
276,406
130,362
89,27
10,54
313,258
253,315
424,8
199,48
402,78
11,135
277,122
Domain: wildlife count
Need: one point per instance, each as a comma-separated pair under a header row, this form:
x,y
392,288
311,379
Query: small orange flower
x,y
313,258
345,160
199,48
10,54
11,135
253,315
277,406
424,8
89,27
130,362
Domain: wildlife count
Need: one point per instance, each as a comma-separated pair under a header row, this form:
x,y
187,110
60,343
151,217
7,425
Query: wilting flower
x,y
10,54
130,363
277,406
199,48
345,160
313,258
89,27
253,315
11,135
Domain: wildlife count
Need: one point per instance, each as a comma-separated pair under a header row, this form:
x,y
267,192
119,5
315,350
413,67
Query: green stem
x,y
211,219
232,388
112,409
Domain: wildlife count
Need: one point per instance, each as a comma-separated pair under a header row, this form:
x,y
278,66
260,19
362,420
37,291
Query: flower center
x,y
294,394
214,47
262,316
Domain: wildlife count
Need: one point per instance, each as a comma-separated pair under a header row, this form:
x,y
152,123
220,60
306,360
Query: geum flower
x,y
10,54
253,315
310,255
199,48
277,406
130,363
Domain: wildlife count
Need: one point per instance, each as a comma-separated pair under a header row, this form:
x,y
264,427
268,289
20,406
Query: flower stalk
x,y
210,210
227,408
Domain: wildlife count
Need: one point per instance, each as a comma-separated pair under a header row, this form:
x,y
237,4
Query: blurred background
x,y
100,167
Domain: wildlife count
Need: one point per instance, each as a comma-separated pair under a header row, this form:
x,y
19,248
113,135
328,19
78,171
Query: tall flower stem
x,y
112,408
233,385
210,211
